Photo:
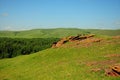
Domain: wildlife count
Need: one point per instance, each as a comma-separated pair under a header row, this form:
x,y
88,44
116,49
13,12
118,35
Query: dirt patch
x,y
110,67
112,55
101,63
116,37
83,43
96,70
88,42
113,70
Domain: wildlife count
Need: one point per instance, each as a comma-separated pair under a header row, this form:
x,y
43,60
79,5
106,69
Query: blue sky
x,y
31,14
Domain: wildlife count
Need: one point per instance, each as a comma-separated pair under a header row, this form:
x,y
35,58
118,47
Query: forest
x,y
11,47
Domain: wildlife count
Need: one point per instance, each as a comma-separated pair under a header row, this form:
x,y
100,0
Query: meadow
x,y
56,33
66,62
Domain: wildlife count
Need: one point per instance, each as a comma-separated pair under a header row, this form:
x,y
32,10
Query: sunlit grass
x,y
58,64
56,33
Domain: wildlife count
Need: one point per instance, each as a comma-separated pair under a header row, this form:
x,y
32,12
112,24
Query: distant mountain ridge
x,y
56,33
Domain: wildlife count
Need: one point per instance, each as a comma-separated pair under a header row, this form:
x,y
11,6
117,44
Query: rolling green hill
x,y
71,61
56,33
64,63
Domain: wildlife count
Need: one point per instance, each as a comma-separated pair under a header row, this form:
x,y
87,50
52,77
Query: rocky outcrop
x,y
113,71
70,39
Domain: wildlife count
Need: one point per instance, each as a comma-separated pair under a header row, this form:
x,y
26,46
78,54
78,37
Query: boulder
x,y
59,43
116,69
113,71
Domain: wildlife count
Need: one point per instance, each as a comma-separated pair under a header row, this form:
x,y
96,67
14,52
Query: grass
x,y
56,33
59,63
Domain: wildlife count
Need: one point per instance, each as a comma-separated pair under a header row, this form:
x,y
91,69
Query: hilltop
x,y
76,60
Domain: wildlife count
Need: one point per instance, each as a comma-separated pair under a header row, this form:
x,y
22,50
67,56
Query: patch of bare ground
x,y
112,55
101,64
88,42
91,41
76,40
116,37
111,67
84,41
114,69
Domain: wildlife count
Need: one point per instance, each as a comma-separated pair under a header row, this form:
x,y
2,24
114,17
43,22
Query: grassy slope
x,y
57,33
59,64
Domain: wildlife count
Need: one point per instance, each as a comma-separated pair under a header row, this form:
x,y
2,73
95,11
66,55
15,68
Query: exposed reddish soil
x,y
116,37
111,67
113,70
101,63
112,55
84,40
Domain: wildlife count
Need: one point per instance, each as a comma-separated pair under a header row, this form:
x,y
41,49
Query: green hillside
x,y
71,61
56,33
64,63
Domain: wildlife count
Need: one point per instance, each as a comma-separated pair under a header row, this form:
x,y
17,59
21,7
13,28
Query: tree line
x,y
11,47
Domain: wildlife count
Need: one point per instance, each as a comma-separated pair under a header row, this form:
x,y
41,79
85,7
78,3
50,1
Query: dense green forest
x,y
11,47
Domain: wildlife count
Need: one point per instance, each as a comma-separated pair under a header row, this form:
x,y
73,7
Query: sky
x,y
84,14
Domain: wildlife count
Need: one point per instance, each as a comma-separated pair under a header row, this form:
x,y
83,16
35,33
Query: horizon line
x,y
63,28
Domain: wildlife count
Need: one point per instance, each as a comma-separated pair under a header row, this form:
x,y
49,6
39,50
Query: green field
x,y
55,33
63,63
